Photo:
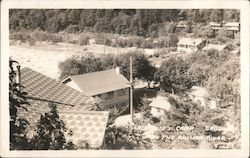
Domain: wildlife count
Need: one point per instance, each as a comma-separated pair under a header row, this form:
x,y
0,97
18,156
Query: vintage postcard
x,y
124,78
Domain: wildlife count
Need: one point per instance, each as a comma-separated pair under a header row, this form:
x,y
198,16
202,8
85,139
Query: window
x,y
121,92
110,95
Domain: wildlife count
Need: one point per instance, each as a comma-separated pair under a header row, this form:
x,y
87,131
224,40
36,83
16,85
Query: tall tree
x,y
173,75
79,65
17,100
142,68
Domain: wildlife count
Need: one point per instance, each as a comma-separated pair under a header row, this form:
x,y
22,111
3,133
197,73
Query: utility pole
x,y
131,90
104,47
19,77
104,44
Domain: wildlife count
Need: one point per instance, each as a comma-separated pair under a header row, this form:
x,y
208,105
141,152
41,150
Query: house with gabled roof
x,y
215,25
190,44
73,108
181,25
232,26
217,47
108,85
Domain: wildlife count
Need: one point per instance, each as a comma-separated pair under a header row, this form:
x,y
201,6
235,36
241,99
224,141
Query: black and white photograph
x,y
125,79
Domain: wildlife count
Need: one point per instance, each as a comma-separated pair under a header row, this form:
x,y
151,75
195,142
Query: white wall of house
x,y
73,85
189,48
156,112
118,97
186,48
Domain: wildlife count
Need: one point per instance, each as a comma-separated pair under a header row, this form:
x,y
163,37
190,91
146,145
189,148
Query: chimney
x,y
117,70
18,77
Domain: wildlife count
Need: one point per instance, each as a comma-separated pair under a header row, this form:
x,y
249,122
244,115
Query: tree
x,y
173,75
50,132
142,68
170,40
53,24
36,19
79,65
69,67
216,15
108,61
196,18
17,100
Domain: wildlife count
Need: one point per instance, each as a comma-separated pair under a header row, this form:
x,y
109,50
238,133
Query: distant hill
x,y
141,22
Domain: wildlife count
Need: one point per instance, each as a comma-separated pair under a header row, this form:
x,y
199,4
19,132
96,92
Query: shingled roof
x,y
88,125
160,102
99,82
72,106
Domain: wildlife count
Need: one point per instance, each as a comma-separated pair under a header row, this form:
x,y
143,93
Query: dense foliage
x,y
173,75
142,22
79,65
17,99
127,137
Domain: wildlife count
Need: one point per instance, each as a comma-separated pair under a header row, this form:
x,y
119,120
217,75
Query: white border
x,y
242,5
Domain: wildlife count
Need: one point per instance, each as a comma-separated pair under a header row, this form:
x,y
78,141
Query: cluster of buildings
x,y
229,26
194,44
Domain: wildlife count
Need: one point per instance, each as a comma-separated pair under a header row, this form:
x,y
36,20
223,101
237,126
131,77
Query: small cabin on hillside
x,y
181,25
232,26
159,106
217,47
108,85
190,44
215,25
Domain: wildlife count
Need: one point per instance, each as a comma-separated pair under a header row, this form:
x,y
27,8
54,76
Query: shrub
x,y
32,41
125,138
148,43
83,40
103,38
40,35
224,35
136,41
72,28
159,52
55,39
22,36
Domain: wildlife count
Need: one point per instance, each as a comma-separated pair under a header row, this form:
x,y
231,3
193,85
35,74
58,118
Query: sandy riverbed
x,y
45,57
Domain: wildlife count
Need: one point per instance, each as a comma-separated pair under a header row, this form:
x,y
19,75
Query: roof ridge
x,y
58,82
83,112
91,73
